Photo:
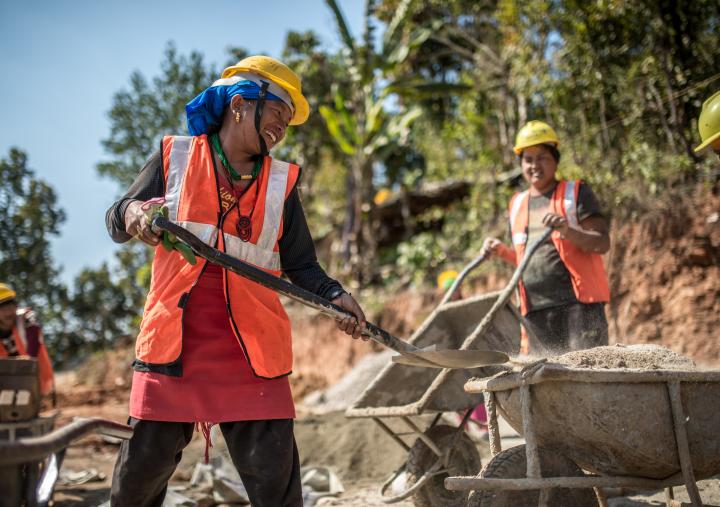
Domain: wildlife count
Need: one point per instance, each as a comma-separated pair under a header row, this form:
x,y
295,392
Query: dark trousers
x,y
264,453
560,329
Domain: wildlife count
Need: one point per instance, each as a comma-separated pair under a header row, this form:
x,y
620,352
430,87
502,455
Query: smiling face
x,y
539,168
273,124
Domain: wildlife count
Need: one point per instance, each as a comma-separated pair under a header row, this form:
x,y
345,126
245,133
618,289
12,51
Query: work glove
x,y
170,242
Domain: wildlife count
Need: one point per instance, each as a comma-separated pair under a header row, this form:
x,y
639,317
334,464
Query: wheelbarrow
x,y
418,396
649,429
29,447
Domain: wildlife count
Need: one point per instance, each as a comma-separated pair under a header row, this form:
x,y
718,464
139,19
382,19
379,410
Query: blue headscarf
x,y
204,112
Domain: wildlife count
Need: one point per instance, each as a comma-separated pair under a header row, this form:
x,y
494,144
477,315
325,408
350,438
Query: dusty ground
x,y
361,454
664,271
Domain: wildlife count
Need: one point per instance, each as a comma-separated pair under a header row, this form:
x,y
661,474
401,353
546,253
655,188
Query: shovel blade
x,y
452,358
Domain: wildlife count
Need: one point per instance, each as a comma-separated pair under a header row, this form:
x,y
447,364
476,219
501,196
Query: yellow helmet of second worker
x,y
709,122
533,133
6,293
281,75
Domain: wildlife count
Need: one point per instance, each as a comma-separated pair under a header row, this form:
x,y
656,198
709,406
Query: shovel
x,y
428,357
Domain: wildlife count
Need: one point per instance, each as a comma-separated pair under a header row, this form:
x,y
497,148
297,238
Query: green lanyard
x,y
215,140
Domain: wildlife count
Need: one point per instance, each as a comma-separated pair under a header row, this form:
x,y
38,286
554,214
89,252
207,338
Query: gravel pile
x,y
642,357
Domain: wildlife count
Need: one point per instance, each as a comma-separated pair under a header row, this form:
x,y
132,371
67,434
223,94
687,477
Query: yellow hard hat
x,y
281,75
446,279
534,132
709,121
6,293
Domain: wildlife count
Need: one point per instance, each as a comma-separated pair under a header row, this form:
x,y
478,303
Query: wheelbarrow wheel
x,y
512,464
464,459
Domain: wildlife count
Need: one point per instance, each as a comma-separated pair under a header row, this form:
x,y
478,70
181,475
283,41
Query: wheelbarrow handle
x,y
257,275
29,449
509,288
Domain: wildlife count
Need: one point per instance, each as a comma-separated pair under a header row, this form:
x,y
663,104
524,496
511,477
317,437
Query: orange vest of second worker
x,y
586,269
44,365
257,317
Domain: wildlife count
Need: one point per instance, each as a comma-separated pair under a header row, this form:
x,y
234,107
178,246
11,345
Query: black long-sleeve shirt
x,y
297,251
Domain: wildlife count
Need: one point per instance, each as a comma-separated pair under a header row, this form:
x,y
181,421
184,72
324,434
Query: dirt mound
x,y
323,355
355,448
664,271
98,387
342,394
643,357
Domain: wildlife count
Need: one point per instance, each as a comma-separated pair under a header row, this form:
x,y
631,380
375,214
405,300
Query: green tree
x,y
102,314
106,302
622,82
370,133
31,216
324,173
140,116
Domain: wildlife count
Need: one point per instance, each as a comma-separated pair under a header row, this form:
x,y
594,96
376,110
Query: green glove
x,y
169,240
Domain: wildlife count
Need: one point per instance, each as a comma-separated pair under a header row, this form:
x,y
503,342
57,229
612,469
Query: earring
x,y
237,116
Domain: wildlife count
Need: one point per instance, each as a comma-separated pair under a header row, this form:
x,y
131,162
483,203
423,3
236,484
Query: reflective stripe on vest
x,y
179,158
206,232
261,254
178,166
570,204
20,328
518,238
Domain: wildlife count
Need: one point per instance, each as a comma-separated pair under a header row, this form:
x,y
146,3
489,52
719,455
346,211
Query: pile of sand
x,y
642,357
354,448
349,388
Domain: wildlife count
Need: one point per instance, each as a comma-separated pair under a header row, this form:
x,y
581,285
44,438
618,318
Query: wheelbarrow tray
x,y
616,422
401,390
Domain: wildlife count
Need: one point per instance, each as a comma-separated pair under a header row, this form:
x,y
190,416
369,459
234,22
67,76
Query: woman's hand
x,y
557,222
138,225
353,326
491,246
591,236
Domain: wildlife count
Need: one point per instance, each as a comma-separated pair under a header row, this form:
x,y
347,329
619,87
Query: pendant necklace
x,y
244,225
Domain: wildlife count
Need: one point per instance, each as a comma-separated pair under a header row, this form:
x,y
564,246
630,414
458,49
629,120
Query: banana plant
x,y
362,122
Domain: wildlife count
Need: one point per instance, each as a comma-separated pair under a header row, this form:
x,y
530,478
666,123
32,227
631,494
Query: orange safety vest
x,y
43,358
256,314
587,271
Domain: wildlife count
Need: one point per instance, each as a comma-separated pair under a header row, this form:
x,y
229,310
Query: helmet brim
x,y
519,149
707,142
302,107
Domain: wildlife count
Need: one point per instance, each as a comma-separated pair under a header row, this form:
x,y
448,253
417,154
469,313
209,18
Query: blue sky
x,y
63,61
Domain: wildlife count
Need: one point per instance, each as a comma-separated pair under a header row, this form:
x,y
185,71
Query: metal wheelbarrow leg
x,y
438,452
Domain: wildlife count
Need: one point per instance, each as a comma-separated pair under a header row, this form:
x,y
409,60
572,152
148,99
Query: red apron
x,y
217,383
